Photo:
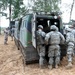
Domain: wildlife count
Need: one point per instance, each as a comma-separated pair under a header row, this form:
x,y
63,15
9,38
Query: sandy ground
x,y
11,63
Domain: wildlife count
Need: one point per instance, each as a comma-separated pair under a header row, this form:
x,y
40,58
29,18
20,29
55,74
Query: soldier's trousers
x,y
41,53
54,51
5,40
70,51
12,36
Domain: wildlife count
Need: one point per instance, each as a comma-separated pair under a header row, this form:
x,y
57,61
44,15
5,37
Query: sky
x,y
65,16
4,22
66,9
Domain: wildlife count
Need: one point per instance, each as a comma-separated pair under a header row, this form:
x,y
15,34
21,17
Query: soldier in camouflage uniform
x,y
12,33
5,36
73,31
54,38
70,47
40,45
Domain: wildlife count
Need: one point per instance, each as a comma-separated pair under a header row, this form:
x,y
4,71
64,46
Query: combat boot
x,y
50,67
69,66
56,66
41,66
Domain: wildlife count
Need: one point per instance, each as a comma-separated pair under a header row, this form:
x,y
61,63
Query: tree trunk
x,y
10,12
71,9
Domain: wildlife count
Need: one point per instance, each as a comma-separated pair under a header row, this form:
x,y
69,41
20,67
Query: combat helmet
x,y
53,27
40,26
68,29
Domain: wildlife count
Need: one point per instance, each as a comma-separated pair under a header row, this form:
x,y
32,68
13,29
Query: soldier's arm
x,y
36,33
47,38
62,38
67,38
43,34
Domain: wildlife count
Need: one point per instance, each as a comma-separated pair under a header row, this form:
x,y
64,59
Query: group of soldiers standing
x,y
53,39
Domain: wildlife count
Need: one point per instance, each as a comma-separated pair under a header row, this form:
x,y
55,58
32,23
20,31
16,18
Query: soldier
x,y
54,38
70,47
40,45
73,31
64,31
12,33
6,36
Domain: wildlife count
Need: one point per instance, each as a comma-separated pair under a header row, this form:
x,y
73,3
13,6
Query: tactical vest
x,y
40,38
55,38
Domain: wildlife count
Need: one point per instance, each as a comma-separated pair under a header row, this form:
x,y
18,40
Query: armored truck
x,y
25,34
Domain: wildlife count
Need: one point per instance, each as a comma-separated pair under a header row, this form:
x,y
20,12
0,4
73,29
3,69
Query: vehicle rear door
x,y
34,31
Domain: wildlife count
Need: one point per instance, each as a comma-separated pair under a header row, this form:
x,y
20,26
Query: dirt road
x,y
11,63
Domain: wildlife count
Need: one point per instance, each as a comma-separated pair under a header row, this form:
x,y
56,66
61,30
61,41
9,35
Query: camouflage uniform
x,y
70,46
53,38
40,45
73,31
5,36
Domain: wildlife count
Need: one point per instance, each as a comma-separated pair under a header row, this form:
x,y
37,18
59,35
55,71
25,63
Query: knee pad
x,y
57,60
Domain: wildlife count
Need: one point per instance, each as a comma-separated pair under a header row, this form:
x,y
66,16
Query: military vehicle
x,y
25,33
